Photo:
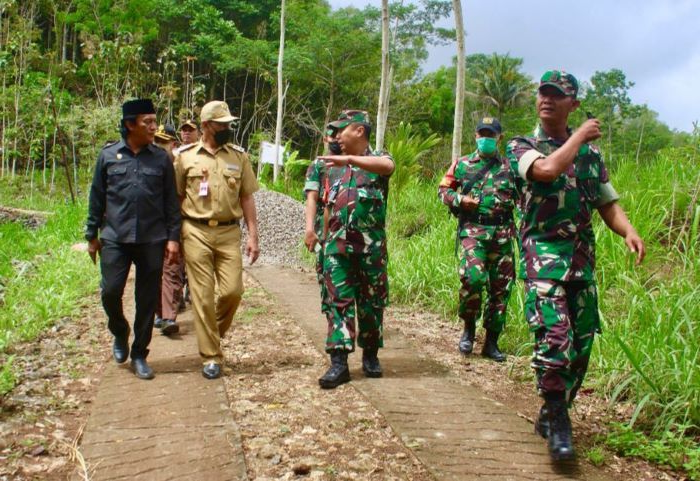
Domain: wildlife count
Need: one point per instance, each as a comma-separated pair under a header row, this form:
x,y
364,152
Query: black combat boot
x,y
542,422
466,343
490,349
561,447
370,362
338,373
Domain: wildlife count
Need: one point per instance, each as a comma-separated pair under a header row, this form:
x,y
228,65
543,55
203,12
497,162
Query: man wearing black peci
x,y
133,218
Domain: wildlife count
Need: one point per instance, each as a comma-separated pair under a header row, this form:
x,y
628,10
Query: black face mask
x,y
334,147
223,136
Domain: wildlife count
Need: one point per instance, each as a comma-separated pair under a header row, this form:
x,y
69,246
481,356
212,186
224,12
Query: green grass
x,y
42,279
667,449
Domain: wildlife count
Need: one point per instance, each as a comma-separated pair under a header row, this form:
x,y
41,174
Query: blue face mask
x,y
486,145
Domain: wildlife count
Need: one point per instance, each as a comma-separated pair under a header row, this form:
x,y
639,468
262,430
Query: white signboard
x,y
267,153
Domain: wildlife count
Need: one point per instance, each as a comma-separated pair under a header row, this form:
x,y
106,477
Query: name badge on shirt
x,y
233,167
203,188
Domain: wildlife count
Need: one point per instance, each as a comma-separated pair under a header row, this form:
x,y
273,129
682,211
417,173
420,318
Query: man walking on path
x,y
355,254
563,179
133,218
173,272
480,189
216,184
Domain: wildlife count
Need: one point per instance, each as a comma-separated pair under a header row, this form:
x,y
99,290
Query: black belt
x,y
214,222
504,219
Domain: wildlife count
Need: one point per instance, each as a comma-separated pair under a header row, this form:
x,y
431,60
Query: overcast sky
x,y
656,43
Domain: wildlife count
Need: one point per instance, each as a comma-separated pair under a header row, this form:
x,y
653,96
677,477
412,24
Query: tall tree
x,y
382,110
280,95
459,84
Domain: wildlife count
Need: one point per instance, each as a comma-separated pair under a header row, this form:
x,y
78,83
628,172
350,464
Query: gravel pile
x,y
280,227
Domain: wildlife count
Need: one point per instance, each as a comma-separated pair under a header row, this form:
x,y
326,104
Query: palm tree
x,y
499,83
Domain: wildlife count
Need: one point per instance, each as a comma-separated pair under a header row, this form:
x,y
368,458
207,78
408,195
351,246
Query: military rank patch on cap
x,y
489,123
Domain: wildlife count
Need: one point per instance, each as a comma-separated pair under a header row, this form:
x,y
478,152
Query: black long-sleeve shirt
x,y
133,198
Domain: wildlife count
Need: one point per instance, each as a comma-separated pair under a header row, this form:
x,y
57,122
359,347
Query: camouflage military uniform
x,y
355,257
317,180
558,259
486,237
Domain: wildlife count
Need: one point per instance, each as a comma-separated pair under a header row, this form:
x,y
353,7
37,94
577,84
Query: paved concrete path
x,y
177,426
457,432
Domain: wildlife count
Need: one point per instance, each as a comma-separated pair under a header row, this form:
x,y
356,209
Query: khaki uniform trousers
x,y
213,259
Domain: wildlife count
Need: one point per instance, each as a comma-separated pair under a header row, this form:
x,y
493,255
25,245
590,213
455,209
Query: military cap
x,y
216,111
189,123
562,81
132,108
348,117
489,123
166,132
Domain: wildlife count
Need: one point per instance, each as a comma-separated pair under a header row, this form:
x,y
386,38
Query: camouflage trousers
x,y
486,264
356,285
564,318
321,281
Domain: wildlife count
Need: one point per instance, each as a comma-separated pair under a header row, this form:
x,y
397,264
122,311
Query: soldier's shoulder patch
x,y
594,148
238,148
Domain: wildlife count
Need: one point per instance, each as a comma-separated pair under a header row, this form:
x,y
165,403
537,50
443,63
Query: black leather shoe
x,y
370,363
466,342
561,447
158,323
120,349
169,327
490,349
211,370
542,422
142,369
338,373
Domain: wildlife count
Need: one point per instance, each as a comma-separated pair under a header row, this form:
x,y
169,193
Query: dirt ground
x,y
290,429
42,419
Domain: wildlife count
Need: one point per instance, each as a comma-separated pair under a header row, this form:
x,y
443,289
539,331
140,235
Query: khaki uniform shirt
x,y
228,175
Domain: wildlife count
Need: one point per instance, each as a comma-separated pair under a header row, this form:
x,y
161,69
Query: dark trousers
x,y
115,261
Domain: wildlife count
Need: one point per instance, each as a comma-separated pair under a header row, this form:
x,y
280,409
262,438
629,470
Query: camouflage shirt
x,y
496,192
357,202
556,234
317,181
